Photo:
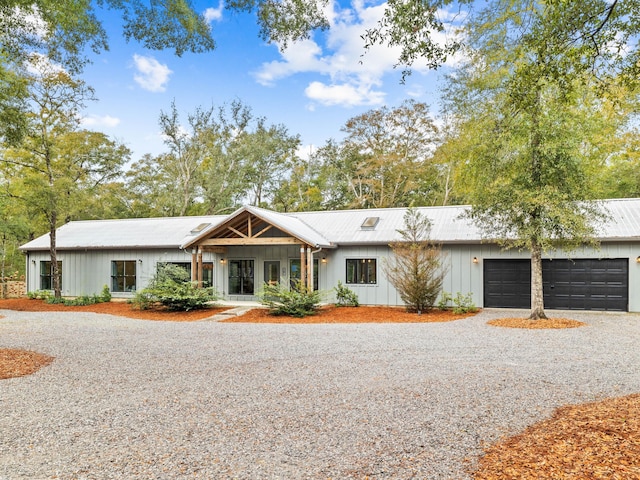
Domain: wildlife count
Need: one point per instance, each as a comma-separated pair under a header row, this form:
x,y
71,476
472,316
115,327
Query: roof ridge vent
x,y
370,223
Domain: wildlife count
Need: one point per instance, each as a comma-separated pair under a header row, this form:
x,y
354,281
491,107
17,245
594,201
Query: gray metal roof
x,y
127,233
325,229
344,227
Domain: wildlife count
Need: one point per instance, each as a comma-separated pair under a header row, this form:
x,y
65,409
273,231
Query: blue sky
x,y
312,88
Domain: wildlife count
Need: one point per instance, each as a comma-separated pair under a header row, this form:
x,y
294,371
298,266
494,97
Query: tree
x,y
385,160
416,268
303,190
61,30
267,153
529,96
55,162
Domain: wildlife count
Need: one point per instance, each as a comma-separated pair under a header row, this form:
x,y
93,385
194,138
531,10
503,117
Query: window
x,y
361,270
240,277
123,276
46,275
295,273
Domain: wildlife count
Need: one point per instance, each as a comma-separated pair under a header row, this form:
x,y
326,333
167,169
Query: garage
x,y
577,284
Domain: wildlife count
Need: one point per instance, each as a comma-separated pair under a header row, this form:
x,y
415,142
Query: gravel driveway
x,y
139,399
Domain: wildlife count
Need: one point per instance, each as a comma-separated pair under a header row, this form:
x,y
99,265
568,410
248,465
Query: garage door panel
x,y
507,283
579,284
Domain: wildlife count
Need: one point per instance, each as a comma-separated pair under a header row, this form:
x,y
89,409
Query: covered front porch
x,y
253,247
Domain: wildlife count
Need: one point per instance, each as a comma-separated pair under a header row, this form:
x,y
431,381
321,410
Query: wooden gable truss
x,y
249,229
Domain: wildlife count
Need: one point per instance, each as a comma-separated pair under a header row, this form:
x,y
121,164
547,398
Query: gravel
x,y
138,399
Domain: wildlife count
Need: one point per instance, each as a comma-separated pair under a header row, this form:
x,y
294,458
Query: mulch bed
x,y
18,363
591,441
536,324
121,309
352,315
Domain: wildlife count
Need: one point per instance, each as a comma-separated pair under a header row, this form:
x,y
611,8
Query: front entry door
x,y
272,272
241,277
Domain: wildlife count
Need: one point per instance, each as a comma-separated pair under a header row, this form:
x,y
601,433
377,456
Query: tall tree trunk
x,y
55,271
537,292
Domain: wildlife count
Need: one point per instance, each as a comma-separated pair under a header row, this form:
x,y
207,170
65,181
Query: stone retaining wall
x,y
13,289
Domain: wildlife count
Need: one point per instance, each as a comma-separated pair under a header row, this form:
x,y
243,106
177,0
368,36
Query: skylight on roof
x,y
199,228
370,223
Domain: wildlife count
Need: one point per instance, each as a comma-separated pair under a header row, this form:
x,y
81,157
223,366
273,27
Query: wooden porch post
x,y
309,269
194,266
200,275
303,266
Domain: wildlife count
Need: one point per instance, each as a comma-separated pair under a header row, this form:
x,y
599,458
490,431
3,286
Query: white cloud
x,y
212,14
152,75
355,76
97,121
344,94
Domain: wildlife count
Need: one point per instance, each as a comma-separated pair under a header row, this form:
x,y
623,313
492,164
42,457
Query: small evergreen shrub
x,y
445,298
172,288
345,297
461,303
105,296
299,301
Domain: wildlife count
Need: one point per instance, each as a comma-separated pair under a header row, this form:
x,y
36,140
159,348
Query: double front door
x,y
241,275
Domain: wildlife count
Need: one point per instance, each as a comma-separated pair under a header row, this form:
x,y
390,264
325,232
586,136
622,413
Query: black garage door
x,y
580,284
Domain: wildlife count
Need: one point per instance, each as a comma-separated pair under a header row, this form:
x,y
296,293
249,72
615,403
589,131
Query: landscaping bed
x,y
330,314
122,309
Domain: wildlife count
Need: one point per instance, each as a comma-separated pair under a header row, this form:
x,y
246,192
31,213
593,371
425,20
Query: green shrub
x,y
345,297
461,303
298,301
172,288
105,296
445,298
55,300
40,295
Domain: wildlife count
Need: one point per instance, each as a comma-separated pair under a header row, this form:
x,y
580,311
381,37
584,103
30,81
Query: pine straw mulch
x,y
543,323
331,314
121,309
18,363
595,441
592,441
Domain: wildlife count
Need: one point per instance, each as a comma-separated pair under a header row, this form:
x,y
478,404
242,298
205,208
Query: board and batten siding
x,y
87,272
466,276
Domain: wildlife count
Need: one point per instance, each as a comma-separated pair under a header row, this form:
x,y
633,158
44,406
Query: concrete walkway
x,y
238,308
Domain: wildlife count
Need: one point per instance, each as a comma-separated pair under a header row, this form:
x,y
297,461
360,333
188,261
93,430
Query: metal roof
x,y
324,229
287,223
119,234
344,227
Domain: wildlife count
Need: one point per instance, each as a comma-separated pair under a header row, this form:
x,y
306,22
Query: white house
x,y
236,253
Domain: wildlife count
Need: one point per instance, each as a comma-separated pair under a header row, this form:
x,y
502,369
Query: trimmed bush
x,y
298,301
172,288
345,297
